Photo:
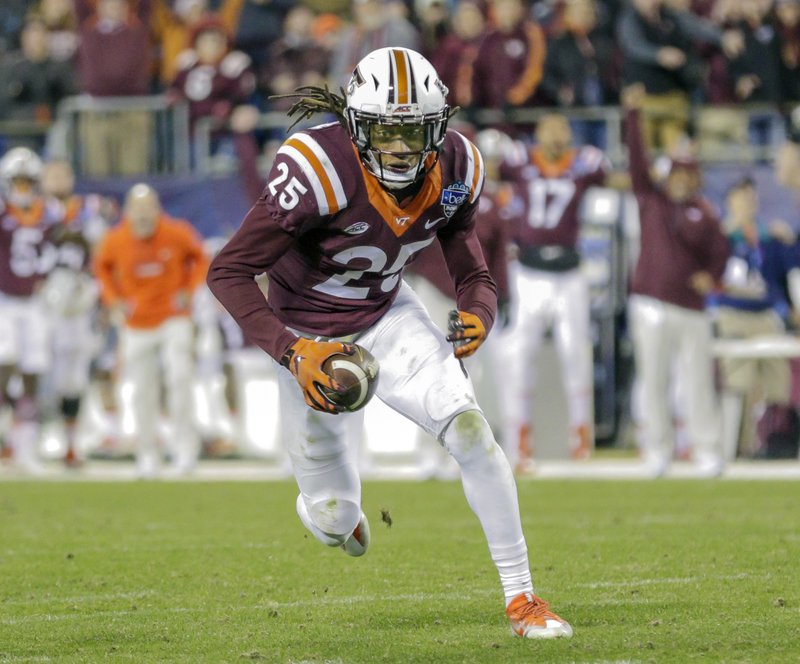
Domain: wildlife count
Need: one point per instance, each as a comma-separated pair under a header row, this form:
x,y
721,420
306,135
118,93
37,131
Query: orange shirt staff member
x,y
149,266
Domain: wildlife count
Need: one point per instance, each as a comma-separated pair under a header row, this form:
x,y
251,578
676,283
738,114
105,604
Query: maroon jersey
x,y
26,253
334,243
677,239
493,234
549,195
214,90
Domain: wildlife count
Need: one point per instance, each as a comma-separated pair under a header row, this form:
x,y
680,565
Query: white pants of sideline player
x,y
662,333
144,354
25,334
540,301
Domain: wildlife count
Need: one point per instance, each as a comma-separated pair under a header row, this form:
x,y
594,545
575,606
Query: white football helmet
x,y
493,144
20,164
397,87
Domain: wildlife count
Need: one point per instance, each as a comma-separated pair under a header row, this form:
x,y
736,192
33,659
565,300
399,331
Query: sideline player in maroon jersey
x,y
549,289
26,257
348,204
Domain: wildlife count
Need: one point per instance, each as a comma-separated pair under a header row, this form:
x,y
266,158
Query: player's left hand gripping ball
x,y
467,333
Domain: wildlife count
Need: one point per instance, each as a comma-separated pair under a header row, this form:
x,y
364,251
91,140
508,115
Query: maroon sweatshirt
x,y
114,60
677,239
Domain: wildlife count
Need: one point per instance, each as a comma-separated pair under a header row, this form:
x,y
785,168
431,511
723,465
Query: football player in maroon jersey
x,y
347,205
549,289
26,257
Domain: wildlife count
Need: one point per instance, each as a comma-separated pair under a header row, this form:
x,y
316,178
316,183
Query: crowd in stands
x,y
228,57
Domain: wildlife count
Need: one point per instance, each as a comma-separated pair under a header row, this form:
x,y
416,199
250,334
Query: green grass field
x,y
668,571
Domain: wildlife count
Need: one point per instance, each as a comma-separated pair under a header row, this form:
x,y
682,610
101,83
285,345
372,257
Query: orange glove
x,y
467,332
304,359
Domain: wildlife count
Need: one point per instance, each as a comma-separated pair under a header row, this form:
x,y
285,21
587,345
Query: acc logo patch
x,y
357,228
452,197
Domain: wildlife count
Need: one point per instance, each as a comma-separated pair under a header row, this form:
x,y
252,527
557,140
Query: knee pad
x,y
468,435
334,515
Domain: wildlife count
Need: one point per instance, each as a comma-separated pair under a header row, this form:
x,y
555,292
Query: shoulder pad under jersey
x,y
466,166
591,159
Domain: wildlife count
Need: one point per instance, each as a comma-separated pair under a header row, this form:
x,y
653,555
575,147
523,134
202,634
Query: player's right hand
x,y
304,359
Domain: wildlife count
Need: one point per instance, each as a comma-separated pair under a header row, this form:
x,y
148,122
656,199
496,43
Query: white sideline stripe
x,y
669,581
318,600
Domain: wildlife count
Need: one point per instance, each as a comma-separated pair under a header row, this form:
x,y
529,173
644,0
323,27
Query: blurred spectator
x,y
259,24
62,28
25,254
752,303
32,82
326,31
756,71
70,291
787,15
657,45
682,256
433,18
456,53
149,267
173,22
373,27
722,127
508,67
579,69
550,291
12,18
296,59
114,60
218,84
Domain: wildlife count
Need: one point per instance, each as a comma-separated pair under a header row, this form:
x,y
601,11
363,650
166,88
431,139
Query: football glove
x,y
304,359
467,333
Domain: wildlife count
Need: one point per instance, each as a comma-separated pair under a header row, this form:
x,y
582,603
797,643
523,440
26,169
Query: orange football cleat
x,y
358,542
530,617
580,447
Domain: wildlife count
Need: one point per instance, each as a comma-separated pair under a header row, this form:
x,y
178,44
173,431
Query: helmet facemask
x,y
381,139
396,113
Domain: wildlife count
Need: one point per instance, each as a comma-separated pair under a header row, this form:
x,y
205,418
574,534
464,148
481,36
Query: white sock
x,y
492,494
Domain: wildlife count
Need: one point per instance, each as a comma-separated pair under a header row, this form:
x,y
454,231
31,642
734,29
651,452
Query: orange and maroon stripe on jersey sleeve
x,y
318,169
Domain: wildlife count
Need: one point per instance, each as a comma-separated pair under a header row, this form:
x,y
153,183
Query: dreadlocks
x,y
312,99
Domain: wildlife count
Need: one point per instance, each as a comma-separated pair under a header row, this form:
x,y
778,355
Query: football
x,y
356,373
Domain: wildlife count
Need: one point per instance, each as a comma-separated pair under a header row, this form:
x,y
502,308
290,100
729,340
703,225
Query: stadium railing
x,y
761,128
167,146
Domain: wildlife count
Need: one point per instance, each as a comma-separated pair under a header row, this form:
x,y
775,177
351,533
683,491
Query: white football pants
x,y
74,345
144,354
663,333
421,379
558,301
